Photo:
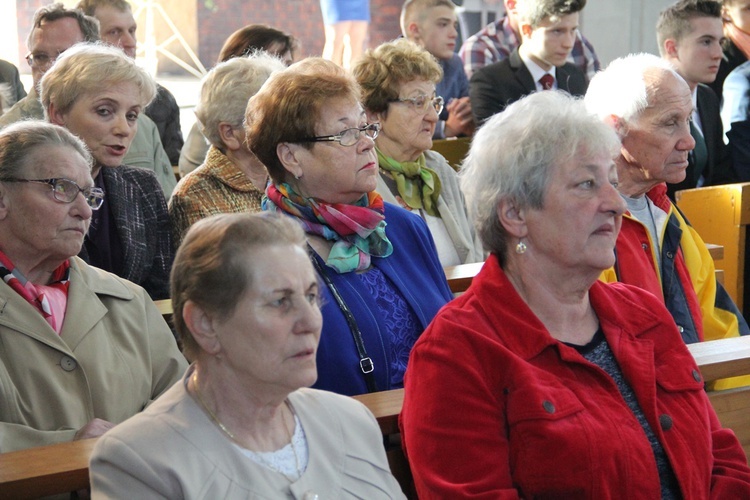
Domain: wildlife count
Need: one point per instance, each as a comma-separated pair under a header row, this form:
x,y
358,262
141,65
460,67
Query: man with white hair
x,y
650,105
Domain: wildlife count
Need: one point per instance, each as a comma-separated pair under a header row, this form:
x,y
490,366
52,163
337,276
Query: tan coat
x,y
173,450
114,355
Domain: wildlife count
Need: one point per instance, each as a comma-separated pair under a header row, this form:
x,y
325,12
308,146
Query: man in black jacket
x,y
689,33
548,31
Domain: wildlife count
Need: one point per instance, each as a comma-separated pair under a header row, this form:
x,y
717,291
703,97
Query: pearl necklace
x,y
234,439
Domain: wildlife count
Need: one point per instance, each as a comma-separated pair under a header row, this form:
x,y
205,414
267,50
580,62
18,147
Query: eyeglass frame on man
x,y
367,127
438,103
89,194
31,58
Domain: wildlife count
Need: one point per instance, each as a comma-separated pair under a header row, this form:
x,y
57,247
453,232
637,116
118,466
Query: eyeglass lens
x,y
349,137
66,191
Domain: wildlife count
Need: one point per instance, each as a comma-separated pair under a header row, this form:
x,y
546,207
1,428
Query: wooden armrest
x,y
716,251
46,470
722,358
164,306
386,406
460,277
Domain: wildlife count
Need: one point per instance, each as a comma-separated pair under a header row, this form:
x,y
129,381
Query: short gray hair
x,y
19,140
86,67
622,89
226,89
512,155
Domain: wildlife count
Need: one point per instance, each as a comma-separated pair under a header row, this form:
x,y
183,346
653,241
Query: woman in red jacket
x,y
540,381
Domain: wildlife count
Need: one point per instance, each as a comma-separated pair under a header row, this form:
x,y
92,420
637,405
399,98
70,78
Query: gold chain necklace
x,y
231,436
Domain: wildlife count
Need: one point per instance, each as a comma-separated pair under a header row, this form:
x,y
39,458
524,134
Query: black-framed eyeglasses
x,y
348,137
422,103
65,191
40,60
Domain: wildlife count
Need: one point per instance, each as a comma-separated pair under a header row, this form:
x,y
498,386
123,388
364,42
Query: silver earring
x,y
298,177
521,248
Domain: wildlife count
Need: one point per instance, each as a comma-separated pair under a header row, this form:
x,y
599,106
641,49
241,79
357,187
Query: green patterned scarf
x,y
417,185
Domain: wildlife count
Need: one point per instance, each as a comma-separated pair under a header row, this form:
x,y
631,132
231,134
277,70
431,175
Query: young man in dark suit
x,y
548,31
690,33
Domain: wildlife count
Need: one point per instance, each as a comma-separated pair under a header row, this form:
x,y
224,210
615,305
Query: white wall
x,y
620,27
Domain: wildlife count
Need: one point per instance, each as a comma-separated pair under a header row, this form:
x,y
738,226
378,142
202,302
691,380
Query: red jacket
x,y
497,408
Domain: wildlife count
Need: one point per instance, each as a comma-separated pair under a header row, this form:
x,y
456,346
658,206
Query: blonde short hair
x,y
87,67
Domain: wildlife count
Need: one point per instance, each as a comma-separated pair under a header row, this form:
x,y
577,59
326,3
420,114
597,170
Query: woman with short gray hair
x,y
563,386
231,178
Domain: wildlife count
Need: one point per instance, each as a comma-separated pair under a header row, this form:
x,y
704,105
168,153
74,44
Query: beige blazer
x,y
114,355
173,450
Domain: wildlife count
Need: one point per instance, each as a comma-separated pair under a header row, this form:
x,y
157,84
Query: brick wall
x,y
217,19
300,18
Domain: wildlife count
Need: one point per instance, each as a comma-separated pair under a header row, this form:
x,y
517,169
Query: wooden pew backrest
x,y
64,467
724,358
721,214
454,150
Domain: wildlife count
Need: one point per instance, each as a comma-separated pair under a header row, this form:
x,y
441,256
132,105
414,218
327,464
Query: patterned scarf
x,y
417,185
35,294
357,230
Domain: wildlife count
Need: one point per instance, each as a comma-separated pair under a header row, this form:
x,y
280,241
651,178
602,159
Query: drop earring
x,y
521,248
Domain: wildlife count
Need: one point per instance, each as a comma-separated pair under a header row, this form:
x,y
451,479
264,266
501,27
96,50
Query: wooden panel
x,y
454,150
46,470
716,251
386,406
460,277
720,215
722,358
733,409
164,306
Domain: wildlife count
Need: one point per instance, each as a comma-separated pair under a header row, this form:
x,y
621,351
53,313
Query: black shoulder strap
x,y
365,363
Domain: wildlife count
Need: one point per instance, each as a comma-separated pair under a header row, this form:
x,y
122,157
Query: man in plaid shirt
x,y
497,40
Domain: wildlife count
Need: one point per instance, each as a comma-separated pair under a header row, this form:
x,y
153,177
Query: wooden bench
x,y
721,214
459,278
724,358
64,467
61,468
454,150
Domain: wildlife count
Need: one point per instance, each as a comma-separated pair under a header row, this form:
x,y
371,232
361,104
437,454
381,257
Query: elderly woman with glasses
x,y
97,92
81,348
398,82
383,282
